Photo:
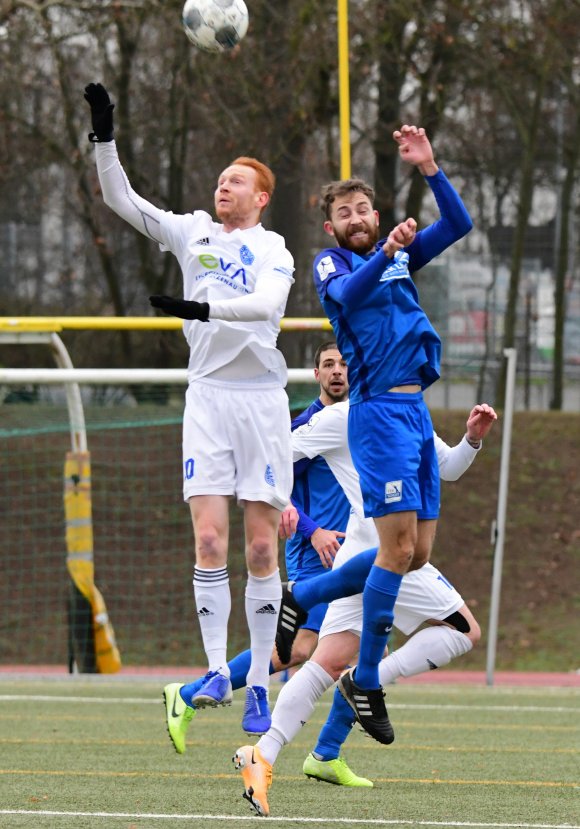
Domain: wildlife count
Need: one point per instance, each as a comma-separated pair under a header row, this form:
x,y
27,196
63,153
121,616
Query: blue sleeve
x,y
301,466
349,289
306,526
454,223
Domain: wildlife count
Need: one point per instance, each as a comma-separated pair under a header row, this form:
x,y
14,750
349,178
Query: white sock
x,y
211,589
432,647
293,707
263,599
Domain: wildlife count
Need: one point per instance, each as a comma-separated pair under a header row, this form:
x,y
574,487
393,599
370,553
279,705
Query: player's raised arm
x,y
415,148
117,191
455,221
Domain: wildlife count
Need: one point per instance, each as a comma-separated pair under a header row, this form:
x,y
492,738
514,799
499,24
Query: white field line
x,y
293,820
548,709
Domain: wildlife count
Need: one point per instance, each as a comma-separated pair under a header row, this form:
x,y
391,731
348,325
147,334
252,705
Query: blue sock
x,y
379,596
186,692
239,667
335,730
346,580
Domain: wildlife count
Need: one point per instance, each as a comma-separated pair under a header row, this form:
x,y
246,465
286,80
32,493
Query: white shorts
x,y
424,594
236,441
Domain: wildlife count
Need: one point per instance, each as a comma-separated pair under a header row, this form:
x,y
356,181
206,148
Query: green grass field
x,y
93,752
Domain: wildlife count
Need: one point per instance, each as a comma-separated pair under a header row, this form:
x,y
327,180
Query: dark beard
x,y
362,248
337,398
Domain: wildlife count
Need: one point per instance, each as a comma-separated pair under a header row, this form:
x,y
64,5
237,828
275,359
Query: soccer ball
x,y
215,25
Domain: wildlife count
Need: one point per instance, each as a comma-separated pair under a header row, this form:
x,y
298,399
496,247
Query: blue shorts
x,y
392,447
315,617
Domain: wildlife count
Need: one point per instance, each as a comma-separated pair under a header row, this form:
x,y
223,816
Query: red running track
x,y
442,677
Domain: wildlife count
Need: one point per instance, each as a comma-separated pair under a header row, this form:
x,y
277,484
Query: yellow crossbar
x,y
56,324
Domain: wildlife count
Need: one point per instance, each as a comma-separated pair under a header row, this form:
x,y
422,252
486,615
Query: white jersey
x,y
220,266
326,434
245,276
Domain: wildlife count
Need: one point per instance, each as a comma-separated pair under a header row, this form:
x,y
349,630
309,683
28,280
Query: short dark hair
x,y
329,345
342,188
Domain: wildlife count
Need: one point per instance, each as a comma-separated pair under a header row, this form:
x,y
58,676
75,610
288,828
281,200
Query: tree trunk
x,y
571,157
524,207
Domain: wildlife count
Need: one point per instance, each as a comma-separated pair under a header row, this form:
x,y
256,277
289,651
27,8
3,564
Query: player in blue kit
x,y
321,504
393,354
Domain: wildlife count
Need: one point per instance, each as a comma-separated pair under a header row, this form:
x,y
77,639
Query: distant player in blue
x,y
393,353
323,511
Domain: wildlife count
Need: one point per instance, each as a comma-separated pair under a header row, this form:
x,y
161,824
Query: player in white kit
x,y
236,428
425,596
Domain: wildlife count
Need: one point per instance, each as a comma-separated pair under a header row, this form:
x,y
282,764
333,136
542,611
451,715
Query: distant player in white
x,y
425,596
236,429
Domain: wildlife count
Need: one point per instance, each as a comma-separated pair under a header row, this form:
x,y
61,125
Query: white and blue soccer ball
x,y
215,25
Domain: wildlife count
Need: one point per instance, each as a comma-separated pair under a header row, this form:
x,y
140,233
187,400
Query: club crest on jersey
x,y
307,427
325,267
393,492
269,476
246,255
398,268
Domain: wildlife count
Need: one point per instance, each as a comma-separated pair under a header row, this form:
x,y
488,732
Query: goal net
x,y
135,530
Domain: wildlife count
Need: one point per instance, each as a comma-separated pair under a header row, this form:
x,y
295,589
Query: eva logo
x,y
246,255
393,492
325,267
269,476
231,269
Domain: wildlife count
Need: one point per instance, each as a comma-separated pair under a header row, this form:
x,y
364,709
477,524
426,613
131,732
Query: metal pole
x,y
74,400
511,356
343,88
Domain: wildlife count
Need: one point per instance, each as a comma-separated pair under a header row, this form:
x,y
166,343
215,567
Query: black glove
x,y
183,308
101,112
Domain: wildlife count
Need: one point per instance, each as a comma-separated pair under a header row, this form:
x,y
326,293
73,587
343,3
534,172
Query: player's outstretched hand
x,y
415,148
481,419
99,101
183,308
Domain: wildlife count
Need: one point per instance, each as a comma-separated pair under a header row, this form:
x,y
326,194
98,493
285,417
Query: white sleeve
x,y
269,294
454,460
324,433
120,196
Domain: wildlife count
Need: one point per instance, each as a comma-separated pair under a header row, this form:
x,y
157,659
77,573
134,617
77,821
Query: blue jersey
x,y
318,494
372,303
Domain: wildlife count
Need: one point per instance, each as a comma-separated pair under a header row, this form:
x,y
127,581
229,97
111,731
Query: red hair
x,y
265,178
